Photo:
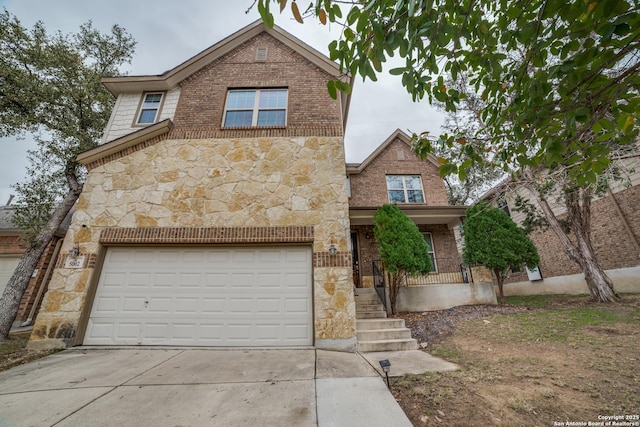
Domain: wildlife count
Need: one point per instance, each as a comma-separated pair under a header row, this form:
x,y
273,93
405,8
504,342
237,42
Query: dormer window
x,y
150,108
253,108
405,189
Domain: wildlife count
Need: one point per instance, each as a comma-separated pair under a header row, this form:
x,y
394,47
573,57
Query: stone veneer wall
x,y
254,183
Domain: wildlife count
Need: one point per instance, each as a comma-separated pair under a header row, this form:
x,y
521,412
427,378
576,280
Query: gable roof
x,y
355,168
171,78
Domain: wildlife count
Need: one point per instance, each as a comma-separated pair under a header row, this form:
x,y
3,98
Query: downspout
x,y
44,282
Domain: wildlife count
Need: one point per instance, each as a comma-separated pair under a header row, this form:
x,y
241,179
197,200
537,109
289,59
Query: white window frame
x,y
404,188
432,252
142,108
256,106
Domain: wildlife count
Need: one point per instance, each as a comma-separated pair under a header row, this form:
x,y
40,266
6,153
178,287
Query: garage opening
x,y
203,296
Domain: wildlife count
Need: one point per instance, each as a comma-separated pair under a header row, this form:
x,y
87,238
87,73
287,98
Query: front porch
x,y
436,223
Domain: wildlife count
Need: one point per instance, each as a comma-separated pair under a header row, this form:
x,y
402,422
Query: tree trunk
x,y
10,300
578,204
394,286
500,280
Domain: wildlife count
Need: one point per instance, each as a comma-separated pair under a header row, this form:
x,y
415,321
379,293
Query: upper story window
x,y
264,107
150,108
405,189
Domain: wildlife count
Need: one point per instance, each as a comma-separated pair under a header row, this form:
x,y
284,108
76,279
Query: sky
x,y
169,32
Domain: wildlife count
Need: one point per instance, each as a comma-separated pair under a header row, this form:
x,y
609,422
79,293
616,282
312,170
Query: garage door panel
x,y
243,256
105,305
206,297
242,280
189,280
268,306
297,305
110,279
159,305
164,279
213,305
239,332
133,304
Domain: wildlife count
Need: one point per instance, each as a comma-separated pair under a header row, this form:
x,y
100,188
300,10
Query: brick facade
x,y
612,243
369,187
369,190
12,245
368,250
203,95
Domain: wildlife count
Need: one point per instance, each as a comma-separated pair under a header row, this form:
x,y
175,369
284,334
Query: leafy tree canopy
x,y
402,246
559,80
492,239
50,85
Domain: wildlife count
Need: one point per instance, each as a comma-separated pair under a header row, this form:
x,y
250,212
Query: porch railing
x,y
379,282
446,270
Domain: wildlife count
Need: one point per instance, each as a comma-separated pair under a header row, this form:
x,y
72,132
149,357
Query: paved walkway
x,y
202,387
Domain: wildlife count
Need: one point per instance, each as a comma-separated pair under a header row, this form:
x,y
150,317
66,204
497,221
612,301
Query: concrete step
x,y
382,323
384,334
364,291
367,297
369,307
377,314
387,345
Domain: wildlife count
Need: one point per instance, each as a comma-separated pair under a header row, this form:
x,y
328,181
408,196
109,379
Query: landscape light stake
x,y
386,367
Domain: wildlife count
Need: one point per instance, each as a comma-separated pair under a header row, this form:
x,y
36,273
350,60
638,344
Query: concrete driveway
x,y
194,387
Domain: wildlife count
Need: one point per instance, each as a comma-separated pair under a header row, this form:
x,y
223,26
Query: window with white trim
x,y
405,189
432,252
255,107
150,108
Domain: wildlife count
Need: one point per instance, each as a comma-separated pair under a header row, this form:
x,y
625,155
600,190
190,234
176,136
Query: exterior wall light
x,y
332,249
74,251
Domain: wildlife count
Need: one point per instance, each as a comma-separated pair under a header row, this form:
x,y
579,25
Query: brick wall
x,y
30,294
10,245
369,187
443,241
611,241
201,104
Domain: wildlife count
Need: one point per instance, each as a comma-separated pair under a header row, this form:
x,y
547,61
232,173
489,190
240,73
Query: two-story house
x,y
215,212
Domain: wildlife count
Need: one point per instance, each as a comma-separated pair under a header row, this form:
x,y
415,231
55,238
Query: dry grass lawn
x,y
563,359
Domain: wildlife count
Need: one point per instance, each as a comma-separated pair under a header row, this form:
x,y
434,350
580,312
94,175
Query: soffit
x,y
449,215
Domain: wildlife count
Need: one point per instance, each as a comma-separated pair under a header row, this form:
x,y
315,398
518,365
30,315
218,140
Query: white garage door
x,y
203,297
7,265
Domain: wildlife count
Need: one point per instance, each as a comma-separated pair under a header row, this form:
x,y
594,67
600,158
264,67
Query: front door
x,y
356,261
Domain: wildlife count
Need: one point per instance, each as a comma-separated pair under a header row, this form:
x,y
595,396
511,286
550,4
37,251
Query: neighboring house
x,y
615,235
394,174
11,249
215,213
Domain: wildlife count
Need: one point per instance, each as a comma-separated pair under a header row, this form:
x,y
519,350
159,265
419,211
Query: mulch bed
x,y
432,326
